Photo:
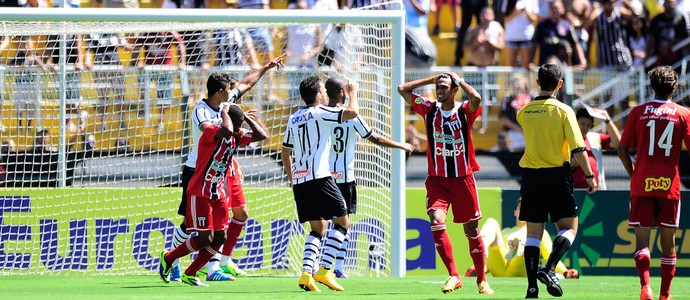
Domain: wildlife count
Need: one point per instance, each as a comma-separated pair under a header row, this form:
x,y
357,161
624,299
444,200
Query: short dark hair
x,y
334,85
217,81
309,88
583,113
663,80
236,116
446,76
549,76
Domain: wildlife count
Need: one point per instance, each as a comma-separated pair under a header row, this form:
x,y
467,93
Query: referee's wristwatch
x,y
590,176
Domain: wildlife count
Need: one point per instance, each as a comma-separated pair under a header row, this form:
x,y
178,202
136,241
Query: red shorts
x,y
654,212
206,214
460,192
236,193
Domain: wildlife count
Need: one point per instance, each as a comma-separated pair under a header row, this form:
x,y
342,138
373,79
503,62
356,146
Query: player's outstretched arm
x,y
352,110
226,125
386,142
286,157
405,90
624,155
252,119
250,80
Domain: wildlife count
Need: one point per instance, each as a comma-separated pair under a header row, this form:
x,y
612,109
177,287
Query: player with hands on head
x,y
221,88
342,157
207,198
452,163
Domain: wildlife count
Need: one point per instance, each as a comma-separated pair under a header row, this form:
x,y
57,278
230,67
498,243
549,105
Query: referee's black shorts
x,y
349,191
187,173
547,192
319,199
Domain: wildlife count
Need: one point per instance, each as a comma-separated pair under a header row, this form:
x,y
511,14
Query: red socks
x,y
445,248
668,270
189,246
478,255
234,230
642,261
201,259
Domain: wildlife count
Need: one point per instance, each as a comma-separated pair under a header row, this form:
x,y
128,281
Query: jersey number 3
x,y
665,140
339,143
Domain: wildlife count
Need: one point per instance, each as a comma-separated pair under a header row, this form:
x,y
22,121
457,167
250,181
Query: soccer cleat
x,y
219,276
471,272
484,288
665,297
549,278
327,278
163,267
233,269
306,282
572,274
532,293
175,274
339,274
192,280
202,272
452,283
646,293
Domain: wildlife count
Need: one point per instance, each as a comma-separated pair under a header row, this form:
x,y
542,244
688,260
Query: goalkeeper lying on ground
x,y
505,249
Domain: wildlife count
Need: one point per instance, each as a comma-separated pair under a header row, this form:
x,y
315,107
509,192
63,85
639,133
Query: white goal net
x,y
95,130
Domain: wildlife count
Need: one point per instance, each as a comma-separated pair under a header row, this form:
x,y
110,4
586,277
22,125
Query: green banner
x,y
605,243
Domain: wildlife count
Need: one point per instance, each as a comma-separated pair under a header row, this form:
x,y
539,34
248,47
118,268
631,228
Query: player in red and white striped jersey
x,y
452,164
656,129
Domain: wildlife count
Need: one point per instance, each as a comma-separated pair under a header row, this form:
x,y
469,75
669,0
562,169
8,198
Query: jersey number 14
x,y
665,140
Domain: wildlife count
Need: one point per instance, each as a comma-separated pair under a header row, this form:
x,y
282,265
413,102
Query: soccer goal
x,y
94,111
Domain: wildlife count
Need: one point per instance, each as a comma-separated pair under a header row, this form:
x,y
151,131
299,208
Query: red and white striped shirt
x,y
215,156
450,152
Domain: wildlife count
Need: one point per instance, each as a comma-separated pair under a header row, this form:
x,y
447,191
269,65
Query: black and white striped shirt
x,y
344,140
308,134
612,47
204,113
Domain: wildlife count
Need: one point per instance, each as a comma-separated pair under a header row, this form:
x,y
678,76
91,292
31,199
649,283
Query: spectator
x,y
638,41
337,51
485,41
519,20
665,30
554,34
516,97
19,3
503,143
595,143
578,12
158,46
469,8
505,249
302,45
610,26
107,72
263,42
75,64
8,148
122,146
26,91
234,47
420,50
454,11
414,137
4,44
115,3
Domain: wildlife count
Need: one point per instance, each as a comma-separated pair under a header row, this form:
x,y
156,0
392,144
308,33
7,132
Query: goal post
x,y
137,170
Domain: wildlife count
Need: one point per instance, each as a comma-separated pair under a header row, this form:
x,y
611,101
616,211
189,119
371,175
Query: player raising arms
x,y
656,129
220,89
342,157
207,198
452,163
305,155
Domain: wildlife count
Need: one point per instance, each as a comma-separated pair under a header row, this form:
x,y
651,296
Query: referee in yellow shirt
x,y
551,135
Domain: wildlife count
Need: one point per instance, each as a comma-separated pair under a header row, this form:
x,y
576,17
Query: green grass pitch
x,y
413,287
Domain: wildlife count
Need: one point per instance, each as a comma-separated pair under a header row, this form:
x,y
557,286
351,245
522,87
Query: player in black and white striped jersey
x,y
305,155
221,89
342,157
